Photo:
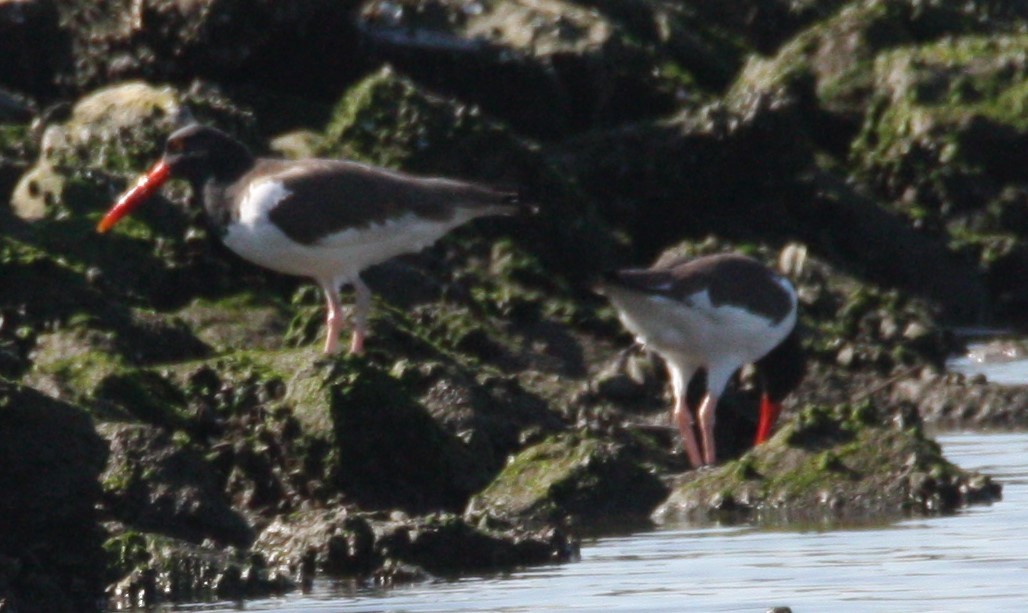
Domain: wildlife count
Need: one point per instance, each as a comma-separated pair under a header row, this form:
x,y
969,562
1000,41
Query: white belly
x,y
337,256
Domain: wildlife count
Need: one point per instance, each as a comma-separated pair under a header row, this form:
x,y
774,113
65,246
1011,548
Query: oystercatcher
x,y
716,313
323,219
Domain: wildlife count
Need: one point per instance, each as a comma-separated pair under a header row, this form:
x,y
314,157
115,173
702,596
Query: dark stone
x,y
50,545
156,485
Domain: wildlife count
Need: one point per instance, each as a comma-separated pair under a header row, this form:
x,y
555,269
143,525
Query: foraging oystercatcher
x,y
323,219
716,313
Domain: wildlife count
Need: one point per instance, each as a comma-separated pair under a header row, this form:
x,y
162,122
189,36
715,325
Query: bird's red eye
x,y
176,145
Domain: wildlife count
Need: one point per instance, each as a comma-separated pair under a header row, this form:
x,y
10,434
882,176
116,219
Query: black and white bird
x,y
324,219
716,313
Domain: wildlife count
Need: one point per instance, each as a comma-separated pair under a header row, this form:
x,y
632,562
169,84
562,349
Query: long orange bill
x,y
140,193
768,416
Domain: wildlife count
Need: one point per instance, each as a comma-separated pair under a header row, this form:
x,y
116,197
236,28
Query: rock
x,y
590,480
50,548
176,40
385,450
155,570
941,115
954,401
344,543
547,67
829,464
157,485
96,131
31,45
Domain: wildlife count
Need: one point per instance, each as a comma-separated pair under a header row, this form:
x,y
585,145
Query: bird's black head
x,y
195,153
783,369
199,153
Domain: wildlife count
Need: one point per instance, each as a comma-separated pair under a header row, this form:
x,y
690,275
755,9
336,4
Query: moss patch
x,y
572,475
829,465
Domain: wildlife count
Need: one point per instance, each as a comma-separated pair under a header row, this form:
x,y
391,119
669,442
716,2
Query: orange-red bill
x,y
768,416
140,193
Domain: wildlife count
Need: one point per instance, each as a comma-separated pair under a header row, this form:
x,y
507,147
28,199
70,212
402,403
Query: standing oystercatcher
x,y
716,313
324,219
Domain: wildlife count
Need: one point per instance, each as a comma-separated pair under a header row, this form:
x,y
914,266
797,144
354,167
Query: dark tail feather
x,y
782,370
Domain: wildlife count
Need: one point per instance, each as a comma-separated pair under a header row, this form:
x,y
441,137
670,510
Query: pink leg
x,y
706,416
362,306
680,414
334,321
683,418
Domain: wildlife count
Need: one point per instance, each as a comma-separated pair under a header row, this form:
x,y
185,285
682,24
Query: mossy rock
x,y
830,65
942,111
689,46
162,483
575,476
944,144
548,67
830,464
173,42
108,138
50,461
384,449
104,362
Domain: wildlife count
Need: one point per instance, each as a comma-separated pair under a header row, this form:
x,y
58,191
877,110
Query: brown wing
x,y
728,279
327,196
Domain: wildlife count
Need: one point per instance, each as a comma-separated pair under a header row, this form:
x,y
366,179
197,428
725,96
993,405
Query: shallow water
x,y
1005,372
976,560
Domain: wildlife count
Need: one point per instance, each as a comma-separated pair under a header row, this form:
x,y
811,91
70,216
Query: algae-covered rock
x,y
98,132
831,464
159,484
585,478
170,40
944,143
700,172
385,450
943,113
830,64
50,458
687,45
548,67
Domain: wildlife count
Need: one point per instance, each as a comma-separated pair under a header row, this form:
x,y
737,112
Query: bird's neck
x,y
212,189
784,367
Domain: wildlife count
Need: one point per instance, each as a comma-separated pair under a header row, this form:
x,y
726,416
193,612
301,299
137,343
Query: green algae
x,y
575,476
